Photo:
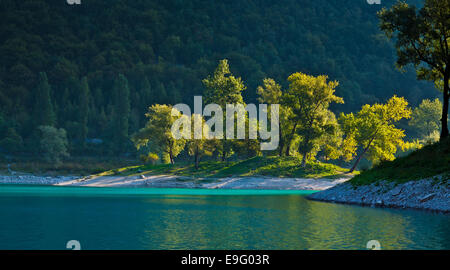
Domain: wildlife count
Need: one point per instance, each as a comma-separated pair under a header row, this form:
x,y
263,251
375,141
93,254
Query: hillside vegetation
x,y
164,48
430,161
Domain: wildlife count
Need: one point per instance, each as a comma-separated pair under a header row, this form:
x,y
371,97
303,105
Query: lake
x,y
47,217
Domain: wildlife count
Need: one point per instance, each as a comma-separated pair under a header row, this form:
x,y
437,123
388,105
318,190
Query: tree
x,y
161,94
425,118
223,88
199,147
43,107
174,94
309,97
53,144
423,39
147,94
157,133
84,109
151,158
12,141
331,142
121,111
270,93
248,147
373,129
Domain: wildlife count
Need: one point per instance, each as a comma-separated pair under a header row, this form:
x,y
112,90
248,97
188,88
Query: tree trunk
x,y
444,123
288,149
357,162
304,160
288,143
224,154
361,156
197,159
171,156
280,150
305,153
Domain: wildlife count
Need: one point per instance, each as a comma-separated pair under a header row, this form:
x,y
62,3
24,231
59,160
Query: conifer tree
x,y
121,112
43,108
223,88
147,94
174,94
161,94
83,108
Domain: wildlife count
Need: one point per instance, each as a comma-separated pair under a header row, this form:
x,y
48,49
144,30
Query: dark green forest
x,y
94,69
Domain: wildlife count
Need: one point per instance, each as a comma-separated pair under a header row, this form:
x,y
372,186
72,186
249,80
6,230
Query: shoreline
x,y
171,181
430,194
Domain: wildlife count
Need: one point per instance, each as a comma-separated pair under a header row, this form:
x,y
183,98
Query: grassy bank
x,y
261,166
75,166
427,162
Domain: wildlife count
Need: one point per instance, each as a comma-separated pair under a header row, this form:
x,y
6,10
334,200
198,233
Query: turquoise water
x,y
44,217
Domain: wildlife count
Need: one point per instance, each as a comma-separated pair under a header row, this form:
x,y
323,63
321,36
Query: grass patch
x,y
75,166
427,162
257,166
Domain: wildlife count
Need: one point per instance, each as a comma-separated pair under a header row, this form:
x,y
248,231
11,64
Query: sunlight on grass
x,y
257,166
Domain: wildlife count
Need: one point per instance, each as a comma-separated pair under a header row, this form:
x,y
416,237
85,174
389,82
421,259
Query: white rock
x,y
427,197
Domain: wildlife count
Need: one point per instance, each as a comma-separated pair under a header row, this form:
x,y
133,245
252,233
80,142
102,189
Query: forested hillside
x,y
94,69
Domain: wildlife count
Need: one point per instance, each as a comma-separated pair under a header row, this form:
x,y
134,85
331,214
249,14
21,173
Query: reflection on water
x,y
38,220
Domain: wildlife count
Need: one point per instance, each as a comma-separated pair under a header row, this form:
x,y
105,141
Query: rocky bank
x,y
426,194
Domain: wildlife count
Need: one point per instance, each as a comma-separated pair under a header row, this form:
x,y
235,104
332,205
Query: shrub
x,y
151,158
53,144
